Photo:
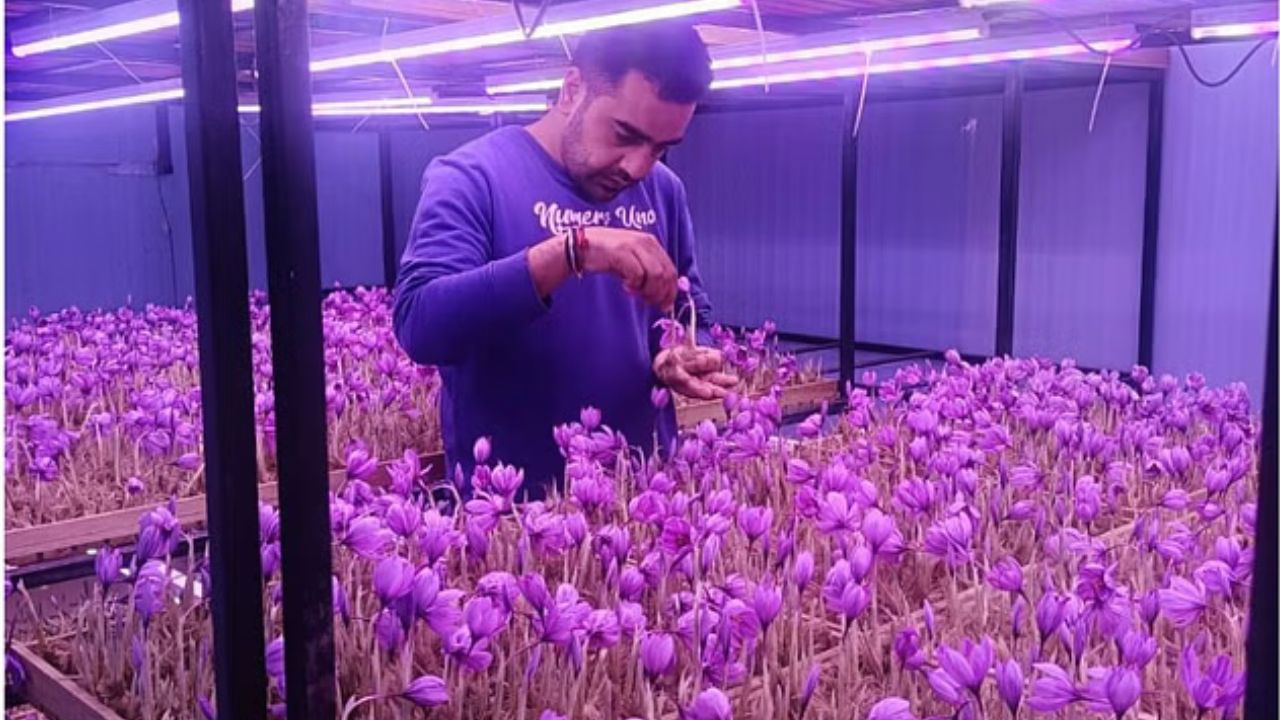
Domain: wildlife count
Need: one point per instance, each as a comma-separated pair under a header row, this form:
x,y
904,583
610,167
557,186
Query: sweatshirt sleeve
x,y
451,293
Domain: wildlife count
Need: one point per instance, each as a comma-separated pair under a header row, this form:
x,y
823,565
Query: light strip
x,y
987,3
422,105
111,31
890,33
1234,21
87,105
472,109
946,61
454,37
878,45
1235,30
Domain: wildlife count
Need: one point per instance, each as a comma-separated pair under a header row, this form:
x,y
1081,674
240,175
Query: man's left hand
x,y
695,372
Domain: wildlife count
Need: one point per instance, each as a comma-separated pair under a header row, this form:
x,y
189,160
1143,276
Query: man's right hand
x,y
635,257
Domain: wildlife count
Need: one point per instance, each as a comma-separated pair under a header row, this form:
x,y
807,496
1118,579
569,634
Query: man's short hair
x,y
671,55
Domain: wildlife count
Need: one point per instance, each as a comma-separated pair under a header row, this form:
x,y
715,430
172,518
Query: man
x,y
531,318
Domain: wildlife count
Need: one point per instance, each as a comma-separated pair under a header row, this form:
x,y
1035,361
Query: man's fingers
x,y
660,281
628,267
722,379
701,360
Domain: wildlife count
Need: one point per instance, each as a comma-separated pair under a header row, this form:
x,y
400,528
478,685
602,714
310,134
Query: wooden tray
x,y
24,546
796,398
55,694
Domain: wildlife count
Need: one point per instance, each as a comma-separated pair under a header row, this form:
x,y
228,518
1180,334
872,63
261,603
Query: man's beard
x,y
601,185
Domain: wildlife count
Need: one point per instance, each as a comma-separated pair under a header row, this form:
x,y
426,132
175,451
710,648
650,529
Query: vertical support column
x,y
221,265
1261,662
385,194
1010,174
848,239
1151,223
293,288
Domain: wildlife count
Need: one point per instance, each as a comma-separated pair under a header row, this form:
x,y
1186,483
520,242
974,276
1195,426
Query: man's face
x,y
615,135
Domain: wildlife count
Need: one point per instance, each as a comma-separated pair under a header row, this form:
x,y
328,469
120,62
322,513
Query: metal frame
x,y
1151,223
1016,84
220,260
293,289
1010,178
1261,665
386,199
848,236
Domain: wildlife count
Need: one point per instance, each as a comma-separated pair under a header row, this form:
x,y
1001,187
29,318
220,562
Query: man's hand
x,y
695,372
636,257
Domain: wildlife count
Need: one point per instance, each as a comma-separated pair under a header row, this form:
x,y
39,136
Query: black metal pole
x,y
293,288
1010,173
848,239
221,266
385,192
1261,662
1151,223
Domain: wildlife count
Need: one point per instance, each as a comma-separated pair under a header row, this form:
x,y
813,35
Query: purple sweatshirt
x,y
513,365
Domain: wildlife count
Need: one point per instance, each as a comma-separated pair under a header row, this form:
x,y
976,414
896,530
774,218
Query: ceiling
x,y
155,56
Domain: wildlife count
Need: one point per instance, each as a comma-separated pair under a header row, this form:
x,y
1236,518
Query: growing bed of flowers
x,y
1012,539
103,408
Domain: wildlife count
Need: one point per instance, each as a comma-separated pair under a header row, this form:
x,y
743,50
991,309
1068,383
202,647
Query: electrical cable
x,y
1191,68
764,45
1153,29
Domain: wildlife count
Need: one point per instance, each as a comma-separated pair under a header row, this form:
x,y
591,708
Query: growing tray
x,y
795,399
51,541
55,694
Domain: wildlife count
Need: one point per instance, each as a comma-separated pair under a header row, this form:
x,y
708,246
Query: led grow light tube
x,y
111,23
560,20
322,107
889,33
99,100
975,53
1234,21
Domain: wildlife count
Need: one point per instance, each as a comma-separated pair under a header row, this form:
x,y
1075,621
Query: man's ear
x,y
573,91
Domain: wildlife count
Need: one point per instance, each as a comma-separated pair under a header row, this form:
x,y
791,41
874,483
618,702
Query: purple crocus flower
x,y
1006,575
928,618
1112,689
1149,606
969,665
877,528
403,518
1136,648
134,486
1049,614
842,593
710,704
275,658
837,514
483,617
426,691
659,397
552,715
657,654
367,537
946,688
802,569
891,708
1053,691
602,629
1216,687
754,521
206,708
360,465
392,579
631,617
906,645
1009,681
766,602
106,564
1183,602
631,583
150,590
389,631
